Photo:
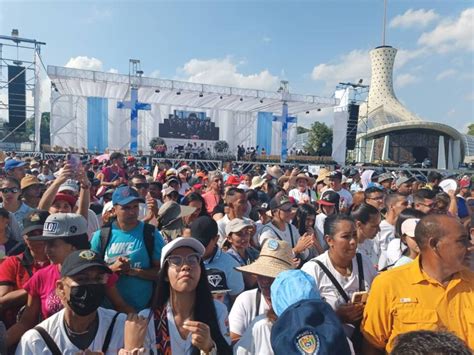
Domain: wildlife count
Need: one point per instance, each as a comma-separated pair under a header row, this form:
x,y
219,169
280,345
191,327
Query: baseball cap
x,y
29,180
69,185
384,177
204,229
309,327
124,195
65,197
278,201
179,243
172,179
408,227
232,180
170,212
335,174
80,260
329,198
34,221
236,225
402,180
217,281
463,183
13,163
292,286
62,225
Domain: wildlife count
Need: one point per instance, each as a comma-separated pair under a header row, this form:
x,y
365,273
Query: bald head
x,y
434,226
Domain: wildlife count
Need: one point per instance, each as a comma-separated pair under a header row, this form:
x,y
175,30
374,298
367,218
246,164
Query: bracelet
x,y
136,351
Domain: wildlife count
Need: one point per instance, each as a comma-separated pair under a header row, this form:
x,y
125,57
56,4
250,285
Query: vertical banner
x,y
284,133
264,130
341,116
97,123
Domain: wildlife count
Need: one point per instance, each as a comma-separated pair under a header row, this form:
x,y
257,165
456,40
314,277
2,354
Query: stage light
x,y
178,93
307,112
319,110
201,94
220,97
261,101
241,99
157,91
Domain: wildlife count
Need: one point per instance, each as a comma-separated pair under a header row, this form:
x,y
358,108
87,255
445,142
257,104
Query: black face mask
x,y
85,299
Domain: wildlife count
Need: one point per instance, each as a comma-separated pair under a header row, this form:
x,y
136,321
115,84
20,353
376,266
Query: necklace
x,y
344,271
72,332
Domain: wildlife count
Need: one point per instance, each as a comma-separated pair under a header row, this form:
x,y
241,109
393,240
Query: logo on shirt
x,y
307,343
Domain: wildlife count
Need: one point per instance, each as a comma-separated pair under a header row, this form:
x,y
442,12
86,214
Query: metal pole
x,y
384,21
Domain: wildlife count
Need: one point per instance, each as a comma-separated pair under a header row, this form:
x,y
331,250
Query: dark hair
x,y
363,213
79,242
422,194
433,176
302,213
428,342
11,179
404,215
157,183
232,192
370,190
331,222
204,309
139,176
4,213
193,196
252,195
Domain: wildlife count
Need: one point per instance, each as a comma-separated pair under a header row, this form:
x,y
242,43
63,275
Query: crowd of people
x,y
116,257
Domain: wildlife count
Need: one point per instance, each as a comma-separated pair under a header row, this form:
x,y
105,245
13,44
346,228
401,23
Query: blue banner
x,y
264,131
97,123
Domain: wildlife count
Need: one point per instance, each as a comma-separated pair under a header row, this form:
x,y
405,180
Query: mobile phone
x,y
360,297
74,160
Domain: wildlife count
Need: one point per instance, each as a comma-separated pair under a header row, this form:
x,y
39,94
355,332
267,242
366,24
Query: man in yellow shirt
x,y
434,292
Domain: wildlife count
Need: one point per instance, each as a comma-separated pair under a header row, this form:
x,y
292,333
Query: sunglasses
x,y
6,190
178,260
142,186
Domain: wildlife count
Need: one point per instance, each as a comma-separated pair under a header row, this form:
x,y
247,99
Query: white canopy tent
x,y
234,110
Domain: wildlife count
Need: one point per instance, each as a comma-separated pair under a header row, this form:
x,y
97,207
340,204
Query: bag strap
x,y
52,346
108,336
149,239
104,239
258,297
333,280
360,266
25,262
291,236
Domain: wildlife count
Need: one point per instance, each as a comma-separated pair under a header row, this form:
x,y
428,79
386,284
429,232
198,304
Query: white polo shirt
x,y
256,339
244,311
290,235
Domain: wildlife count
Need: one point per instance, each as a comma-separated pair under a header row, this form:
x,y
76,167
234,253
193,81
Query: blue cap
x,y
13,163
290,287
123,195
309,327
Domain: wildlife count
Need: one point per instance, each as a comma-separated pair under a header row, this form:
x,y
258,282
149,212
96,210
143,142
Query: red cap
x,y
197,186
232,180
65,197
464,183
95,161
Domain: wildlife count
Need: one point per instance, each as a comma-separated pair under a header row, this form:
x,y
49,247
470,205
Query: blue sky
x,y
312,44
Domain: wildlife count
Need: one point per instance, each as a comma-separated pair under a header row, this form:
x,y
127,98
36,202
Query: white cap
x,y
69,185
408,227
179,243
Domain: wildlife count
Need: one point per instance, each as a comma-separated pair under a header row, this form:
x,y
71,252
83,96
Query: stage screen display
x,y
189,125
16,97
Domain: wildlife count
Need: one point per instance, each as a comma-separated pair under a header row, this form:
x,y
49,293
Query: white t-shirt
x,y
308,194
319,228
381,241
243,311
179,345
367,249
32,342
92,223
271,231
395,250
256,339
221,224
345,198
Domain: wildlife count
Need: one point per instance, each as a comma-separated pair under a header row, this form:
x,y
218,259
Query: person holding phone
x,y
113,175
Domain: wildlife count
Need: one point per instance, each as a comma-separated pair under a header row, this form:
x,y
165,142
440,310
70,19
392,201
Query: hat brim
x,y
128,200
309,180
260,184
325,203
45,238
266,266
186,211
83,267
31,229
32,184
188,242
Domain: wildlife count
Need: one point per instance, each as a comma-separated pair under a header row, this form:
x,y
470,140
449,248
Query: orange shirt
x,y
406,299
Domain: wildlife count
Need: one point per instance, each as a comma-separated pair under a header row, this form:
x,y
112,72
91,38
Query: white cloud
x,y
350,67
224,72
414,18
451,34
113,71
446,74
404,56
84,62
402,80
154,74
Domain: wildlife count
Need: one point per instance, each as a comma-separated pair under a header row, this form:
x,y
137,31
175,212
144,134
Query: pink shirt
x,y
43,285
212,201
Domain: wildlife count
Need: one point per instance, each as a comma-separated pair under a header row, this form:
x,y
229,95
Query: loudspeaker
x,y
16,97
352,126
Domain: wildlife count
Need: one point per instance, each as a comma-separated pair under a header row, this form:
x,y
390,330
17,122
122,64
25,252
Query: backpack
x,y
148,239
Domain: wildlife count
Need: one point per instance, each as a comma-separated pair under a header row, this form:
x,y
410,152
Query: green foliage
x,y
319,140
45,128
470,129
221,146
300,130
156,141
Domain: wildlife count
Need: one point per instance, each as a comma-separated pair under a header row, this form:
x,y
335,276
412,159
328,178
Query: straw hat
x,y
276,256
308,179
257,181
275,171
323,174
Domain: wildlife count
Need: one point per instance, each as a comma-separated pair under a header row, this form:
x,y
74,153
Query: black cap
x,y
80,260
34,221
329,197
278,201
217,281
204,229
335,174
172,179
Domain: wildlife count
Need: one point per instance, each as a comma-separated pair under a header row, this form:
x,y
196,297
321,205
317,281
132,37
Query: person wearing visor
x,y
184,318
170,219
82,326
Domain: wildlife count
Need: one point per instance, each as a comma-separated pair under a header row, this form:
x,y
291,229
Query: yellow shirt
x,y
406,299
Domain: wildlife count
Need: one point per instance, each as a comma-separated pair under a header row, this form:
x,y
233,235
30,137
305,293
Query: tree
x,y
319,140
156,141
45,128
300,130
470,129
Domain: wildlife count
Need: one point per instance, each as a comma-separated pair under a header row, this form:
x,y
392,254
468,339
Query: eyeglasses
x,y
142,186
178,260
6,190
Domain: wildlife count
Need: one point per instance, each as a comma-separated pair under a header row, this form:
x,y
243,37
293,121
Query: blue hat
x,y
123,195
13,163
309,327
290,287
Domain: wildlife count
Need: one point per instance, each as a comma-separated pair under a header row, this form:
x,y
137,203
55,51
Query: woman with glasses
x,y
11,196
184,319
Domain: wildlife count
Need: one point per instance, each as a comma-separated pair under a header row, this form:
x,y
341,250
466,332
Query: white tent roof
x,y
71,81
